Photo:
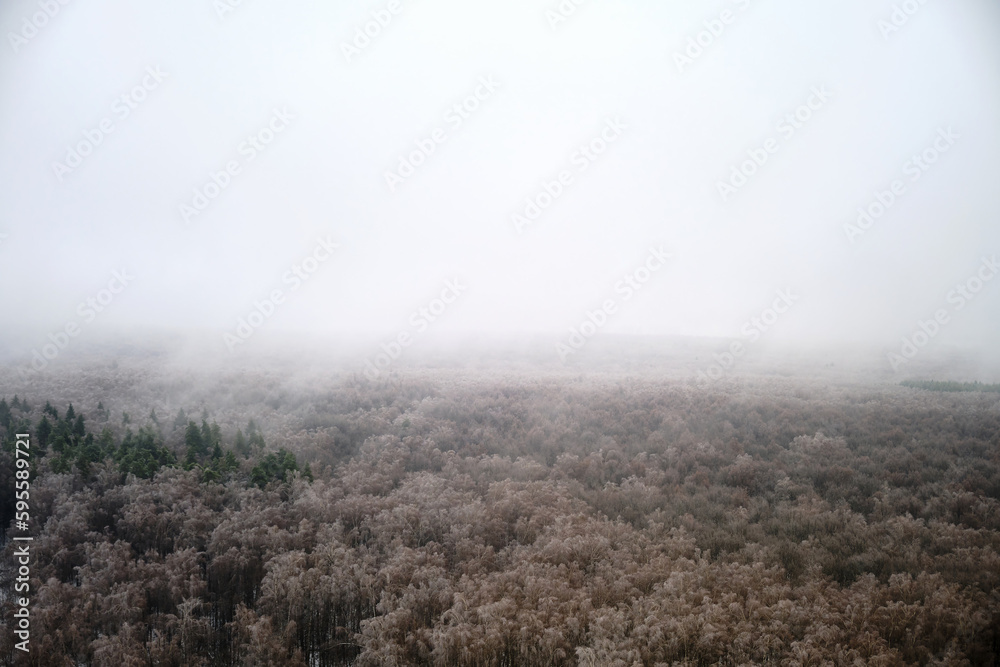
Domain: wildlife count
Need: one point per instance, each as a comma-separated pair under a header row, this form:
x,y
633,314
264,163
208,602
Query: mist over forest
x,y
516,334
481,504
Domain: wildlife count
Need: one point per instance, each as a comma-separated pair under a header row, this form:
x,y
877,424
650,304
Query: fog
x,y
245,171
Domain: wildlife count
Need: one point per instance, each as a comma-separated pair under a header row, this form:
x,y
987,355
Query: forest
x,y
516,517
950,385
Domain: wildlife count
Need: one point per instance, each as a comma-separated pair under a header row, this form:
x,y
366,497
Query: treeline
x,y
533,521
943,385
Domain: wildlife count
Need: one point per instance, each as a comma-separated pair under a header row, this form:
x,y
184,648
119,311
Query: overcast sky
x,y
333,112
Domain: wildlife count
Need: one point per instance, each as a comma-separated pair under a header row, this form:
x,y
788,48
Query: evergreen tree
x,y
241,445
181,419
254,438
87,454
195,444
107,442
288,462
229,462
258,476
257,442
143,454
206,434
82,464
273,467
190,459
60,464
44,430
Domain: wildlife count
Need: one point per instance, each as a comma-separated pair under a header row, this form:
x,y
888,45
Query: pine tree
x,y
254,437
196,446
44,430
240,445
181,419
107,442
288,463
190,460
87,454
206,434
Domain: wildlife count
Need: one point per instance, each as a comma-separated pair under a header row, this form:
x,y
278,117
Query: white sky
x,y
656,185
